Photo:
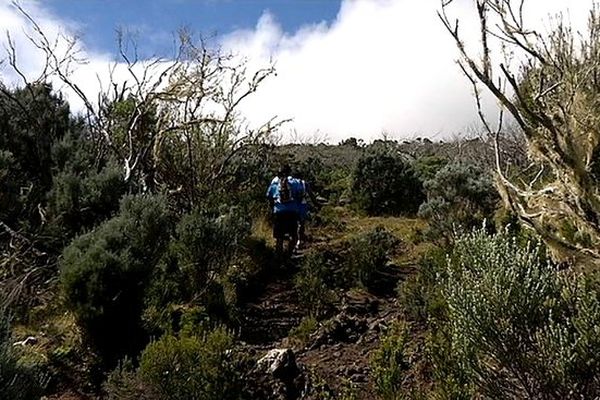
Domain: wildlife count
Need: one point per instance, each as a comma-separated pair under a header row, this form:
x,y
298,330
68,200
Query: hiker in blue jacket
x,y
284,194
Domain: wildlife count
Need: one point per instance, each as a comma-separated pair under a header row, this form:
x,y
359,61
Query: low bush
x,y
301,333
354,265
390,362
313,283
104,274
78,201
420,295
514,327
208,263
385,184
123,383
249,272
17,380
206,243
190,367
460,197
180,368
329,217
367,253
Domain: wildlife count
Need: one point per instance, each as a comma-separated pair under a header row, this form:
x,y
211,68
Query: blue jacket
x,y
296,192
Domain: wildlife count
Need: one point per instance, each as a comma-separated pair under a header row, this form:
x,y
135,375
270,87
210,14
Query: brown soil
x,y
67,396
269,317
338,354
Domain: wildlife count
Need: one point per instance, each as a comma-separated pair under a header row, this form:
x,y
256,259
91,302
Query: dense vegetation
x,y
134,248
150,275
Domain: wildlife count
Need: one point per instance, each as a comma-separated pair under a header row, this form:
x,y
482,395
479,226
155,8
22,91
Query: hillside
x,y
333,353
152,247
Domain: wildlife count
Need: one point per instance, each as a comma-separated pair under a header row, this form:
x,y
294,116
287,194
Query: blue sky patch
x,y
155,21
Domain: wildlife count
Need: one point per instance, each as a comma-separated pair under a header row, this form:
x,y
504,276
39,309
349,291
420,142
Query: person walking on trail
x,y
304,209
284,194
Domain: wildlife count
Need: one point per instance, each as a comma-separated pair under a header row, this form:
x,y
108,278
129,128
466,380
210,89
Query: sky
x,y
156,20
345,68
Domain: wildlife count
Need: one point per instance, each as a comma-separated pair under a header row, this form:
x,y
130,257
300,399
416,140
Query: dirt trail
x,y
345,361
338,354
269,318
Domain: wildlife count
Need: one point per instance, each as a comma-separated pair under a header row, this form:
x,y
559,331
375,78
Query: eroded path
x,y
337,354
269,317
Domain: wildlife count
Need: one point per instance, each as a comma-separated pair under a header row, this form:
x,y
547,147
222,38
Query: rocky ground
x,y
336,357
333,360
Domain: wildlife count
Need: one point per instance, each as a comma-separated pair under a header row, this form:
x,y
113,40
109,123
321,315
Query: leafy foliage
x,y
123,383
53,185
385,184
195,269
207,244
32,119
420,295
390,362
427,166
190,367
104,273
355,265
515,327
180,368
18,381
302,332
82,200
313,283
459,198
367,254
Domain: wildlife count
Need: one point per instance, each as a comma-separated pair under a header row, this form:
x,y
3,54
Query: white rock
x,y
29,340
278,362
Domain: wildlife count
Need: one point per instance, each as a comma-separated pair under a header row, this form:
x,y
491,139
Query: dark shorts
x,y
304,213
285,223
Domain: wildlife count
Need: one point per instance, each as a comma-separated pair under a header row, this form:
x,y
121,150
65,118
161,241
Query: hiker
x,y
284,194
304,208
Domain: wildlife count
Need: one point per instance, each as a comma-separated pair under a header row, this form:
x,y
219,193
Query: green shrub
x,y
367,253
17,380
104,274
302,332
515,326
250,268
26,141
207,243
348,391
123,383
329,217
385,184
356,265
190,367
420,295
78,201
390,362
459,198
202,266
339,186
427,167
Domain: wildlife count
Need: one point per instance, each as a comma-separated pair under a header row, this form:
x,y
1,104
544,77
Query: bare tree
x,y
174,124
191,98
200,109
554,98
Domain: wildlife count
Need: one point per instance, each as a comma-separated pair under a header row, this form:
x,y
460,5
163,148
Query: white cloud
x,y
92,75
31,60
382,65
